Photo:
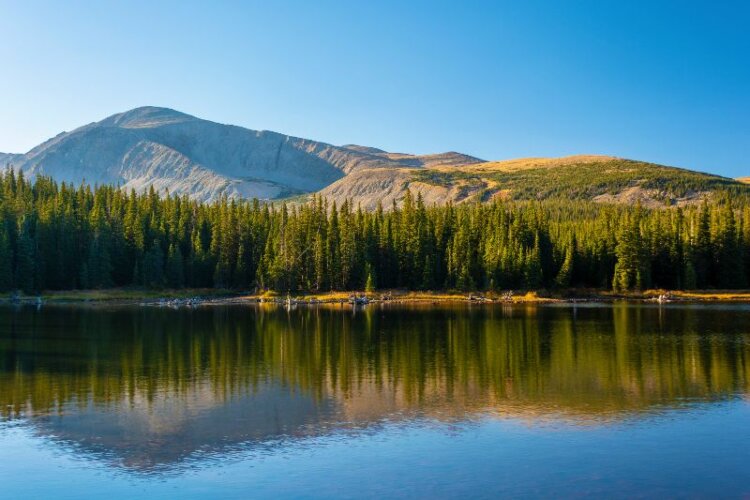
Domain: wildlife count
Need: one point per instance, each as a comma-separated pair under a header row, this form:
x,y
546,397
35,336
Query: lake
x,y
404,401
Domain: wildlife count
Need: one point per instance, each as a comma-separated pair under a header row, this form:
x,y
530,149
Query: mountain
x,y
166,149
169,150
9,158
583,177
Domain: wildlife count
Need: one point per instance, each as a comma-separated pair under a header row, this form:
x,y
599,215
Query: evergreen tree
x,y
630,269
175,267
533,268
730,263
565,274
153,266
6,257
703,248
25,256
370,284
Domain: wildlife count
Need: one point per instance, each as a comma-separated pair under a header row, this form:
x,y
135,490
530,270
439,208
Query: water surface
x,y
397,401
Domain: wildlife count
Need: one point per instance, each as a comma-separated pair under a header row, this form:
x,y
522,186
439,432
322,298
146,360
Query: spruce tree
x,y
25,256
175,267
6,269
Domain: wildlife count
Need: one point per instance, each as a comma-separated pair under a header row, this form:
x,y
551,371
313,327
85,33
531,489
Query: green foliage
x,y
175,267
370,283
584,181
565,274
632,267
56,236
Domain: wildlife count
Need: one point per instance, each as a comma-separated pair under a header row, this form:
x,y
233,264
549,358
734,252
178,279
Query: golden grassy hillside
x,y
599,178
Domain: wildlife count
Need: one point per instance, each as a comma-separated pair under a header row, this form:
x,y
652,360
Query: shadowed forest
x,y
62,237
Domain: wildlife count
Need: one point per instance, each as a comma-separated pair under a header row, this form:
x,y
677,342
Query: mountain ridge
x,y
168,150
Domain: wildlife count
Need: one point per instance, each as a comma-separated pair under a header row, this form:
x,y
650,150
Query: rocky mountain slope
x,y
9,159
168,150
173,151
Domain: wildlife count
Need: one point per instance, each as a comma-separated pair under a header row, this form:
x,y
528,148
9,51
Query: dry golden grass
x,y
530,163
711,295
719,295
744,180
398,296
531,297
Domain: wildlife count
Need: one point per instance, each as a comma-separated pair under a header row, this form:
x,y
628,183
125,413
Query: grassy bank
x,y
120,295
411,296
706,295
654,294
134,295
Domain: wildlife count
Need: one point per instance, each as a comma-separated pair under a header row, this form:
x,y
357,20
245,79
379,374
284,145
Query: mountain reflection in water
x,y
149,387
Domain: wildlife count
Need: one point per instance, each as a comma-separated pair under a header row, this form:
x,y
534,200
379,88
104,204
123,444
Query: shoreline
x,y
203,296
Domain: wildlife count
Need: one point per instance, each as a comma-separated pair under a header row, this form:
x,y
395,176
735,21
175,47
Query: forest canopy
x,y
57,237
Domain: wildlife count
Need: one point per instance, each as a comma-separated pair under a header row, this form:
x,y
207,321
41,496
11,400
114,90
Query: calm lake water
x,y
389,401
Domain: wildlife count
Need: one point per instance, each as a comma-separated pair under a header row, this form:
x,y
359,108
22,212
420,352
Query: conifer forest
x,y
55,236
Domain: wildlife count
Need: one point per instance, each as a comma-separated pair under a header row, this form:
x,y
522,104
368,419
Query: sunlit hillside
x,y
582,177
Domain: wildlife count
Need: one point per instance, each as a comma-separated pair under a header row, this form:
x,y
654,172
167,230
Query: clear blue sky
x,y
667,82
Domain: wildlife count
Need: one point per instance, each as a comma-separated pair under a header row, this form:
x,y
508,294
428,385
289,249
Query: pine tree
x,y
333,251
630,269
730,262
565,274
6,269
153,266
533,268
370,284
703,247
175,267
25,256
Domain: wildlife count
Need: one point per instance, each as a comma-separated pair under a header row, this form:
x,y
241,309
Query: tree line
x,y
56,236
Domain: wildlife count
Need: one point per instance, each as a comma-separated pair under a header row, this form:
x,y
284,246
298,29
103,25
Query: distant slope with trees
x,y
594,178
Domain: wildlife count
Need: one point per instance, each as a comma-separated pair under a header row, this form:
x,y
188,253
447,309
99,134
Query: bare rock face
x,y
9,159
388,186
168,150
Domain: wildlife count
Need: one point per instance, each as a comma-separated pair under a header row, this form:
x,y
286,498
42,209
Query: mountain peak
x,y
147,117
364,149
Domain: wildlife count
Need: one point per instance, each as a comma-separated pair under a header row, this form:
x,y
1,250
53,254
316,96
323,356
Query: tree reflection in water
x,y
150,386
